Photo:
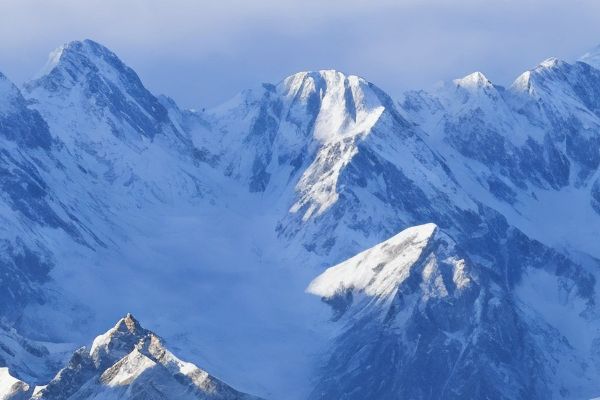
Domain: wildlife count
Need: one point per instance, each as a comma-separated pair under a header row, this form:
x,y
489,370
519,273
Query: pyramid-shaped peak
x,y
78,52
379,270
118,340
106,90
129,323
473,81
126,361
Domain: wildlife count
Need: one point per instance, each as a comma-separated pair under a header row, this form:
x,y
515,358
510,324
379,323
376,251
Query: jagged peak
x,y
522,83
330,75
87,47
128,323
122,337
306,82
92,74
120,359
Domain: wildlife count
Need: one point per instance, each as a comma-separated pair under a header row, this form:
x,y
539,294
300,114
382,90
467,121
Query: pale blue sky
x,y
202,52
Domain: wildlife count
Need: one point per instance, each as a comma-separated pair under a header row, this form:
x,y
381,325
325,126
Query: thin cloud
x,y
201,53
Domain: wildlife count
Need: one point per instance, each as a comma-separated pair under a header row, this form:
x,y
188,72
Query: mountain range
x,y
310,239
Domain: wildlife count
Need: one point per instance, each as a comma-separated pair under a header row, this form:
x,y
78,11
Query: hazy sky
x,y
202,52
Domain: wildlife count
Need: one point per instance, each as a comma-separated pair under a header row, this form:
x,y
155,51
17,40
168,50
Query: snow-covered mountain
x,y
421,319
126,362
533,147
115,199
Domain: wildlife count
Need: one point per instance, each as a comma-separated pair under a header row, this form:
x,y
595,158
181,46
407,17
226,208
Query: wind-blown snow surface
x,y
211,225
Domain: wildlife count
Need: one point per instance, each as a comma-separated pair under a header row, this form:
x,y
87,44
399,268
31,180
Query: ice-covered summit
x,y
347,104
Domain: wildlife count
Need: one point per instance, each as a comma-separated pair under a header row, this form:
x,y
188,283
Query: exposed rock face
x,y
130,362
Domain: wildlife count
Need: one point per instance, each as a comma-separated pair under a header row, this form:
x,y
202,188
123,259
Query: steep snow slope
x,y
420,319
30,205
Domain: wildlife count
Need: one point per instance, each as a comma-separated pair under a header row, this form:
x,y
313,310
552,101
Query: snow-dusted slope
x,y
392,260
420,319
29,204
130,362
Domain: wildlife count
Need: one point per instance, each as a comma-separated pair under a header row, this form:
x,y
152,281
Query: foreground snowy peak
x,y
130,362
113,345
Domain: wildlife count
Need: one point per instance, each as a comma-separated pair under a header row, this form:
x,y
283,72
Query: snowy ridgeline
x,y
468,218
126,362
